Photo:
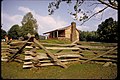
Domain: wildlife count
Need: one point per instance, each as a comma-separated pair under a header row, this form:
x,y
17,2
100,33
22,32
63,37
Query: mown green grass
x,y
56,41
74,71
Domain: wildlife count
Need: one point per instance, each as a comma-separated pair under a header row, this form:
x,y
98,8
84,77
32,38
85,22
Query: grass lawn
x,y
14,70
56,41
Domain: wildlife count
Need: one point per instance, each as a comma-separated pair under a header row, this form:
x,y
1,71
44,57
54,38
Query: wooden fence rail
x,y
59,58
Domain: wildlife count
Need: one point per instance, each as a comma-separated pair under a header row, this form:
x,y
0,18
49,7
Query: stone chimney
x,y
73,32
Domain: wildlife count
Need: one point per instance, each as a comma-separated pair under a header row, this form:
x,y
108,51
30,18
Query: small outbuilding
x,y
70,33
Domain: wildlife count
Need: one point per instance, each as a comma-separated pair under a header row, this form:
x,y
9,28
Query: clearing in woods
x,y
14,70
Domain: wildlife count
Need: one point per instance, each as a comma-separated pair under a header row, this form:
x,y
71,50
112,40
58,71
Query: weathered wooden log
x,y
100,55
97,52
95,47
64,45
107,64
49,53
4,56
18,60
4,59
20,43
93,51
110,56
28,57
69,55
63,48
15,47
4,48
63,53
27,63
3,51
98,59
62,60
19,51
105,60
12,51
113,53
28,66
16,43
50,64
30,47
98,62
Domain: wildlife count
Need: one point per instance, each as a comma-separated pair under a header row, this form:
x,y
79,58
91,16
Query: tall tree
x,y
14,32
3,33
27,28
77,8
29,25
107,30
29,18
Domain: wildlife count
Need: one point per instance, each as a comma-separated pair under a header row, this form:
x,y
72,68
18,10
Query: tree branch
x,y
109,5
95,14
94,4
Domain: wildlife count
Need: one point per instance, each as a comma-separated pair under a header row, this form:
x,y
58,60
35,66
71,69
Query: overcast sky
x,y
13,11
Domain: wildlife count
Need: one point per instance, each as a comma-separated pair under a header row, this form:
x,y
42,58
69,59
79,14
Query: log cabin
x,y
66,33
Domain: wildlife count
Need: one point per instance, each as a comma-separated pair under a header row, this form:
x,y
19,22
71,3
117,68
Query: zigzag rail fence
x,y
60,54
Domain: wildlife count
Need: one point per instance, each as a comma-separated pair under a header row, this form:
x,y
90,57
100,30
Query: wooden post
x,y
53,34
49,53
57,34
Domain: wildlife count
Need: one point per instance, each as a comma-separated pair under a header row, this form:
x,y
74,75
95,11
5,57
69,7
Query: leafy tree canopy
x,y
107,30
88,36
3,33
29,25
14,32
29,18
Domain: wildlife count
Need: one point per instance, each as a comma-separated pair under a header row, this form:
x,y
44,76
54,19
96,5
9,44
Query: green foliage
x,y
107,30
88,36
29,25
29,18
27,28
3,33
14,32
